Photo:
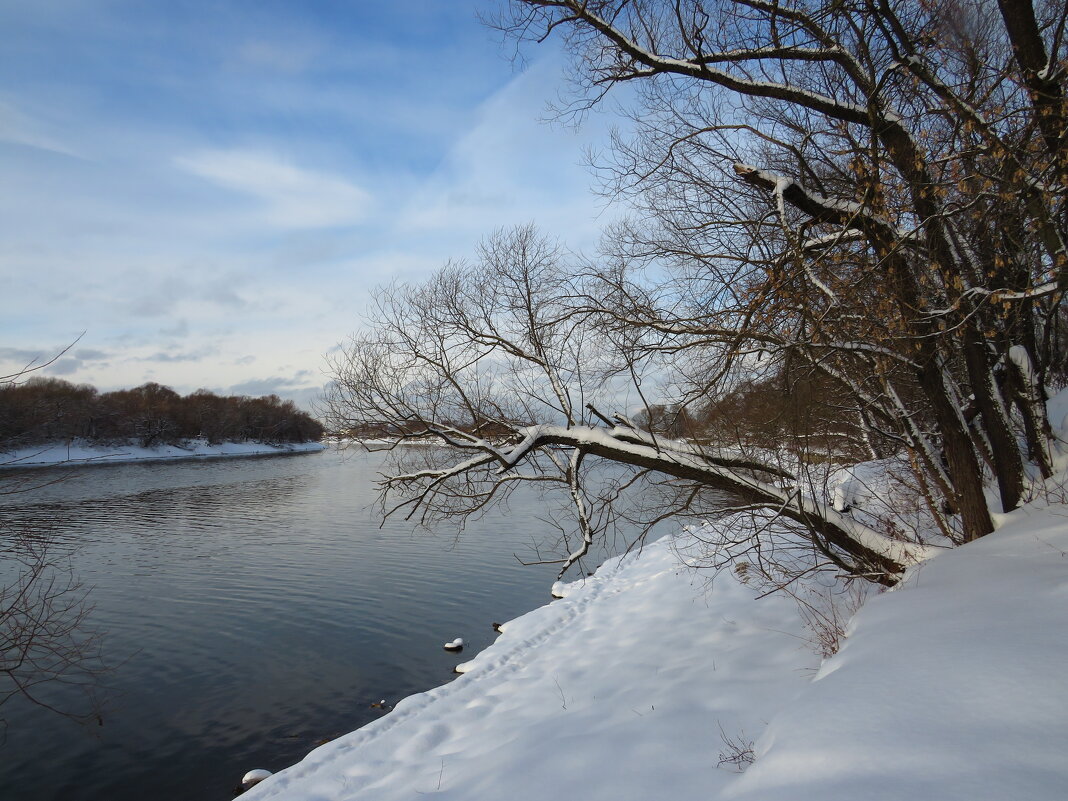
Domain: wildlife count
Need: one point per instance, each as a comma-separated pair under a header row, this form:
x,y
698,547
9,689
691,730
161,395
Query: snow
x,y
882,494
949,687
82,453
856,485
254,777
654,680
1057,412
647,681
620,441
561,589
619,691
1018,356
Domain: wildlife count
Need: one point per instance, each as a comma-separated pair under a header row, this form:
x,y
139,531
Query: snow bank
x,y
625,689
638,682
949,687
81,453
883,495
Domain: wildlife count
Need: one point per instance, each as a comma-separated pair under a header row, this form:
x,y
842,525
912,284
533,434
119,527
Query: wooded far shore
x,y
48,410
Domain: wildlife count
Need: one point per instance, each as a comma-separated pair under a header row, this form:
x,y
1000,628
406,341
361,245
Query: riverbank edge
x,y
83,454
645,659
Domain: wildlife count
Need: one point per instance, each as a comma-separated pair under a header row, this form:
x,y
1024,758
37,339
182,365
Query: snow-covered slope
x,y
952,686
81,453
623,690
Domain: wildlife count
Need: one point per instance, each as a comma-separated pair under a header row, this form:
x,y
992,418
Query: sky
x,y
207,192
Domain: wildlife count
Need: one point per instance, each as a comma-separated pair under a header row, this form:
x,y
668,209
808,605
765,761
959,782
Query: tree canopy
x,y
861,202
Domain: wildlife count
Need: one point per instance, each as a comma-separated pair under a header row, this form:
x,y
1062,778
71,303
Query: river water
x,y
249,609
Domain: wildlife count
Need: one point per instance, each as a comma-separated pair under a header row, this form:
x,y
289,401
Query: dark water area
x,y
250,609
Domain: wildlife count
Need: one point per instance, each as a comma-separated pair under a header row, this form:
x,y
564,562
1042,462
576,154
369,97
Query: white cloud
x,y
511,168
64,367
19,128
284,57
291,196
257,257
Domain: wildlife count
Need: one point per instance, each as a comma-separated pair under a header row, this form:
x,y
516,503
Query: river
x,y
249,609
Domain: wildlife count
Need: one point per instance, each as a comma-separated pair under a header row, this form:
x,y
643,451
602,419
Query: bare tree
x,y
45,641
871,194
44,638
507,362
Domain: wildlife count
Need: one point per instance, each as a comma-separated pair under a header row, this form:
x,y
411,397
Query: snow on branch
x,y
699,68
740,476
846,213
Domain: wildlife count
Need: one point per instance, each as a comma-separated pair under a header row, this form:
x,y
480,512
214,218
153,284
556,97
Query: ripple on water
x,y
252,607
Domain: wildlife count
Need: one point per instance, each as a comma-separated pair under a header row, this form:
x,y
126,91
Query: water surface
x,y
251,608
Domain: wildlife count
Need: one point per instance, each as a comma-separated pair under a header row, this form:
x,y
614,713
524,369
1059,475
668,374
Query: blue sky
x,y
209,190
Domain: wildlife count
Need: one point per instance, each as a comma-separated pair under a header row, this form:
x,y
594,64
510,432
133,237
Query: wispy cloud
x,y
511,168
55,361
20,128
274,384
23,355
90,354
51,362
67,366
290,196
284,57
179,330
246,179
180,356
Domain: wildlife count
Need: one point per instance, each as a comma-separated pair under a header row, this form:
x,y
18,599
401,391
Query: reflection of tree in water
x,y
48,655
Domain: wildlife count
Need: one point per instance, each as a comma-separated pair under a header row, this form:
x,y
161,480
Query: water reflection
x,y
45,640
252,607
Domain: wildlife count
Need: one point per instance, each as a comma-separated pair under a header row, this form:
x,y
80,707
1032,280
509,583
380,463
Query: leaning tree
x,y
871,193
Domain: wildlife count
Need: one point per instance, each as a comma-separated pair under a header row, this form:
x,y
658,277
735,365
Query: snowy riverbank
x,y
643,678
81,453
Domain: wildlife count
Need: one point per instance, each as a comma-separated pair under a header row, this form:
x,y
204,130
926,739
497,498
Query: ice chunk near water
x,y
560,589
455,645
254,777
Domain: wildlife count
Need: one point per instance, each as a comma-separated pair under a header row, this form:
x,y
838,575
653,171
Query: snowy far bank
x,y
643,679
82,453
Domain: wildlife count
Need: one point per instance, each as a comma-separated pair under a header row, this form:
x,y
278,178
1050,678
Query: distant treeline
x,y
49,409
